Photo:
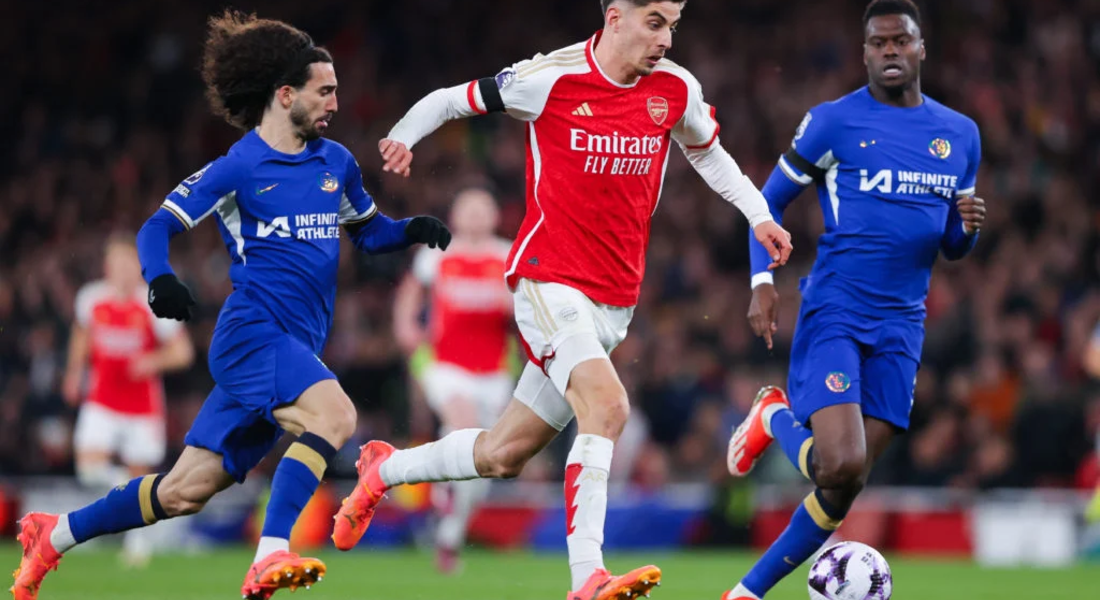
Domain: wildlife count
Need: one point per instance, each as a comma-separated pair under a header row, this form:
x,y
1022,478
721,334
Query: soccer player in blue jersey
x,y
280,196
895,174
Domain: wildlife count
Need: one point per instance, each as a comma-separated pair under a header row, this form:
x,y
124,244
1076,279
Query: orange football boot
x,y
753,436
281,569
356,511
602,585
39,556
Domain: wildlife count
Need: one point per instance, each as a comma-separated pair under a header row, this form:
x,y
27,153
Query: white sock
x,y
740,591
586,471
137,544
449,459
269,546
61,538
465,496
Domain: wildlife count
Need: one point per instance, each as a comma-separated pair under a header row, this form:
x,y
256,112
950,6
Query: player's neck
x,y
280,134
612,65
907,98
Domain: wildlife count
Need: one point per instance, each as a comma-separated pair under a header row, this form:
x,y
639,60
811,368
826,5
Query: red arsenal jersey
x,y
596,157
470,307
121,329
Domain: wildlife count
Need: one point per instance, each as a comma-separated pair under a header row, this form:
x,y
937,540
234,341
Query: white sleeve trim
x,y
762,278
788,170
964,193
433,110
722,174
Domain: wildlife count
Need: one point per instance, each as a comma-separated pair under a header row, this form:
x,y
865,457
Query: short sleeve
x,y
197,196
697,129
426,265
85,303
811,151
524,87
356,205
968,185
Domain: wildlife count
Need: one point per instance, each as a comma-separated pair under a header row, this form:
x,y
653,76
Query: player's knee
x,y
610,410
841,471
337,424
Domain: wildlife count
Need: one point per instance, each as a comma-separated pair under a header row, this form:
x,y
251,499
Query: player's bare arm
x,y
74,369
764,312
174,355
408,303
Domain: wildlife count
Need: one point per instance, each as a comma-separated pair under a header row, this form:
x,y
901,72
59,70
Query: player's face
x,y
646,33
474,214
315,104
893,50
121,266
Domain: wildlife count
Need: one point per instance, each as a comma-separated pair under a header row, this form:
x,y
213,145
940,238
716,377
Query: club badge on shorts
x,y
837,382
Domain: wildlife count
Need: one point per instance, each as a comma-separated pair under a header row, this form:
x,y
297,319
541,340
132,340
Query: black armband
x,y
807,167
490,94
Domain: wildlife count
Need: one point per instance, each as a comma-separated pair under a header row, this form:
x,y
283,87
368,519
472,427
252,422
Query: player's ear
x,y
613,16
922,50
285,96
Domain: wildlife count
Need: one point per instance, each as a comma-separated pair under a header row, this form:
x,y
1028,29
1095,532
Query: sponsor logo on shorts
x,y
837,382
568,313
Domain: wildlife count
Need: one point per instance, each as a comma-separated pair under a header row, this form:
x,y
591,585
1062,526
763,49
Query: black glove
x,y
428,230
170,299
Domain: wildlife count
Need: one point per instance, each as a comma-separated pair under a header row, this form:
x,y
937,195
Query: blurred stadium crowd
x,y
105,114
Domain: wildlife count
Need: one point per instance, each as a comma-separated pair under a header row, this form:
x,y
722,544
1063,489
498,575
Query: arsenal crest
x,y
658,109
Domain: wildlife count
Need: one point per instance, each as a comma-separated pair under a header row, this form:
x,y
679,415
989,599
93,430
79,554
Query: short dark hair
x,y
604,4
878,8
246,59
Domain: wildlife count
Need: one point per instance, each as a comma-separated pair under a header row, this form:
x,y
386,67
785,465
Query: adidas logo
x,y
583,110
534,260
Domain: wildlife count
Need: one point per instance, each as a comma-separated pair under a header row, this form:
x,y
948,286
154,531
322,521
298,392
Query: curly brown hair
x,y
246,59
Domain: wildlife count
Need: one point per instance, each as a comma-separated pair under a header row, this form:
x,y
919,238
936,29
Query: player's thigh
x,y
97,434
560,328
825,370
235,430
889,382
517,436
144,447
197,475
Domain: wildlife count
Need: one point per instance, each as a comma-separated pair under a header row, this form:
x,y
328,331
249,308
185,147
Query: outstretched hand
x,y
776,240
396,156
972,211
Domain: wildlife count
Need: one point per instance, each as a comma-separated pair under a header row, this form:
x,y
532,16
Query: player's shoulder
x,y
951,116
563,61
667,66
332,150
849,105
93,292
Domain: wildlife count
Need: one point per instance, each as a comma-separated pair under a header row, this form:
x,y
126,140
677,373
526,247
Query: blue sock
x,y
296,479
811,525
125,507
797,441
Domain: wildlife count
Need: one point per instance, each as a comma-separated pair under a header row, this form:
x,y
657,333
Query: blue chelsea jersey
x,y
887,179
280,217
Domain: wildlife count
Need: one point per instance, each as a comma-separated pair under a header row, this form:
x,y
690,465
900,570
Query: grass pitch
x,y
410,575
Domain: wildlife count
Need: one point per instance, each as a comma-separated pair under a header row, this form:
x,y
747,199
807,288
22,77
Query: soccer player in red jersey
x,y
470,311
122,348
601,116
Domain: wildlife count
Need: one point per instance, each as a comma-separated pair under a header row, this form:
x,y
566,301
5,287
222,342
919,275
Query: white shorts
x,y
489,392
561,328
139,440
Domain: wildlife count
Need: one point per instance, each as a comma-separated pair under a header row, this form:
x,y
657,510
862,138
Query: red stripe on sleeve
x,y
717,127
471,95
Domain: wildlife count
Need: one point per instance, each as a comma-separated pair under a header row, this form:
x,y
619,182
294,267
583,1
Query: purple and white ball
x,y
850,571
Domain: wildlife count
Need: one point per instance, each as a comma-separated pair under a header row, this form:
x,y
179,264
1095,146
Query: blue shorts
x,y
838,359
258,367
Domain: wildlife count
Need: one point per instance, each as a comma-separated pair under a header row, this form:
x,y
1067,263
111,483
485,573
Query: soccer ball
x,y
850,571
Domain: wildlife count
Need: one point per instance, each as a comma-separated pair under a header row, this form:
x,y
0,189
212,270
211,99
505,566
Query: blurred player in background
x,y
281,195
466,382
601,115
123,349
895,173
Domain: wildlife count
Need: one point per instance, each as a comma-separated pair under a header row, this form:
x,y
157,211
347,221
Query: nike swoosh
x,y
789,562
266,189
